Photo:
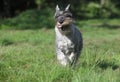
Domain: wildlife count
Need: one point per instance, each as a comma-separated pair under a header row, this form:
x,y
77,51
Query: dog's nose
x,y
61,20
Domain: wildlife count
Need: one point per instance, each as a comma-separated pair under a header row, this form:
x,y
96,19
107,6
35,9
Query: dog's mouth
x,y
62,26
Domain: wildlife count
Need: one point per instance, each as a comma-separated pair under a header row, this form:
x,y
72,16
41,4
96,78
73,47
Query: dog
x,y
69,40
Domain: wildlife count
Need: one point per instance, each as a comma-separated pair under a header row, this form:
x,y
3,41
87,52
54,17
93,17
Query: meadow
x,y
29,55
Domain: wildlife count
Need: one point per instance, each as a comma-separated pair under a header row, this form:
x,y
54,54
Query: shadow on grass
x,y
105,25
107,64
6,42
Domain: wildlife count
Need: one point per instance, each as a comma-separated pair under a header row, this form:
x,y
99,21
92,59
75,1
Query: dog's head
x,y
63,18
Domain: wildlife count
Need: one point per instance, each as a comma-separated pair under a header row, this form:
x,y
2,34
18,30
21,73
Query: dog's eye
x,y
68,15
56,16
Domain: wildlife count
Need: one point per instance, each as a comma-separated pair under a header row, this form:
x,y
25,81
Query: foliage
x,y
43,16
84,9
92,10
31,19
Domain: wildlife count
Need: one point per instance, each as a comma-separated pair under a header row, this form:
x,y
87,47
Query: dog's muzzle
x,y
63,23
61,20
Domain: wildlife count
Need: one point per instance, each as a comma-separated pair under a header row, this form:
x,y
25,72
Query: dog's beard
x,y
64,29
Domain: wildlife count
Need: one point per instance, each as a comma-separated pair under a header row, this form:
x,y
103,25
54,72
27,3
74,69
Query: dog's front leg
x,y
73,58
62,58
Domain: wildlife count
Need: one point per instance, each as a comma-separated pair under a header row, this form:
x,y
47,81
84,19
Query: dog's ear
x,y
57,8
67,8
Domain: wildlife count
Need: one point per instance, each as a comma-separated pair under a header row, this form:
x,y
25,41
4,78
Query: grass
x,y
29,56
27,50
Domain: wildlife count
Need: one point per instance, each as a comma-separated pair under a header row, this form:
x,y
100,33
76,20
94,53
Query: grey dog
x,y
69,41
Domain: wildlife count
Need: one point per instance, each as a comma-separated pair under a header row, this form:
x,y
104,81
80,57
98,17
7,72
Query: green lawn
x,y
29,56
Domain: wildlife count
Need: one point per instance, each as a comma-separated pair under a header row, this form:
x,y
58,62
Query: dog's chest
x,y
65,44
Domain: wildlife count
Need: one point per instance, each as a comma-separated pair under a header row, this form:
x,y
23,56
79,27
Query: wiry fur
x,y
68,38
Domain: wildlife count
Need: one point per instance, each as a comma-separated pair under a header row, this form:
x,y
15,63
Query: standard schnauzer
x,y
69,41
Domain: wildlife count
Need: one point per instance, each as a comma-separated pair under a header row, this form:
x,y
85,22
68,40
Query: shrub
x,y
30,19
